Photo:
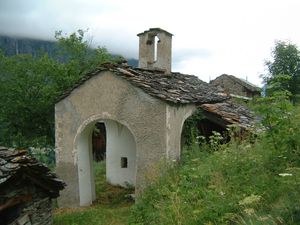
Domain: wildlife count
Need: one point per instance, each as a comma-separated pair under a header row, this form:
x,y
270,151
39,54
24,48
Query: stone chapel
x,y
143,110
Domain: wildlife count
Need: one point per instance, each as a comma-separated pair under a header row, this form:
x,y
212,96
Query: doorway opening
x,y
106,162
99,142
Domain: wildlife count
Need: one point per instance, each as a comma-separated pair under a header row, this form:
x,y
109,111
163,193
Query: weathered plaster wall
x,y
107,96
84,160
120,143
175,117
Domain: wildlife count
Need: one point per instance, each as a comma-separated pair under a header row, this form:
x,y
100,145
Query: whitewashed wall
x,y
120,143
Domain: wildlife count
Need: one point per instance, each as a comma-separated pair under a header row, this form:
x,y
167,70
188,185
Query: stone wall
x,y
40,210
34,206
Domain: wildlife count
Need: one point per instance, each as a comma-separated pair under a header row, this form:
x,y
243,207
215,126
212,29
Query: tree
x,y
76,52
284,70
30,86
28,90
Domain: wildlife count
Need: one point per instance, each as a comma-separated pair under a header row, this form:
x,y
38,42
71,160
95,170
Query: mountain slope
x,y
15,45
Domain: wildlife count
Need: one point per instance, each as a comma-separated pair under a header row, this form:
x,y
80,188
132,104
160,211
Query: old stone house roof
x,y
18,165
173,88
246,84
156,29
227,113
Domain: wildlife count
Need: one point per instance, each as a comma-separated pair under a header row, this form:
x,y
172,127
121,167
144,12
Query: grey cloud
x,y
41,18
185,54
17,6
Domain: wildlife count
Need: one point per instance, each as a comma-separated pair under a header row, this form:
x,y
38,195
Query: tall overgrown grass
x,y
250,181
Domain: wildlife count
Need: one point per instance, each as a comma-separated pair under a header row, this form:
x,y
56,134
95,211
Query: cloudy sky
x,y
211,37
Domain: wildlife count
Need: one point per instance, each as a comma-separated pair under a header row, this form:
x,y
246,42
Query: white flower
x,y
285,174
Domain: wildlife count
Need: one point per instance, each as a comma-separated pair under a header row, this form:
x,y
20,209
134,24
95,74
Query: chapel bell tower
x,y
155,50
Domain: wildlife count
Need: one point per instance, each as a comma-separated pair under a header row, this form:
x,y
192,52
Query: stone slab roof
x,y
231,113
154,30
17,164
251,87
173,88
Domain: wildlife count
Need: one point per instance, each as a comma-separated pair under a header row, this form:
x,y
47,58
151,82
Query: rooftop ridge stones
x,y
155,29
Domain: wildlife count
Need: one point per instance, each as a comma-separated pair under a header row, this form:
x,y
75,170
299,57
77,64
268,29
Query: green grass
x,y
235,186
94,215
111,206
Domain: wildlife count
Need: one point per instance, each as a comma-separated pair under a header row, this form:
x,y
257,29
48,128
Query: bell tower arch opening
x,y
155,50
156,42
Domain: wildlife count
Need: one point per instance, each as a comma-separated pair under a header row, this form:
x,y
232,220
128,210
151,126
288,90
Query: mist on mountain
x,y
16,45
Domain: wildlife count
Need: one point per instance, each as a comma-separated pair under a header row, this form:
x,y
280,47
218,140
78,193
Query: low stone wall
x,y
40,211
35,208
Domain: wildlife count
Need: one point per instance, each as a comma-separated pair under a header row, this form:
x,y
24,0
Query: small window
x,y
124,162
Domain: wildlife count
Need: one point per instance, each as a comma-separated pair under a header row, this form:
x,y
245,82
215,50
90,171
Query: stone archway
x,y
120,157
185,117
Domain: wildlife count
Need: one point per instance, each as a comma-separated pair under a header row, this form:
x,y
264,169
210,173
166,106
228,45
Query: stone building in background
x,y
236,87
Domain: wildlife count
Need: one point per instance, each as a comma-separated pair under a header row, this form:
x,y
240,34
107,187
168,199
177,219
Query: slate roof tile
x,y
173,88
15,164
232,113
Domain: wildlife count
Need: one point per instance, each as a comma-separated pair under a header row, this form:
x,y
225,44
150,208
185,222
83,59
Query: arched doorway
x,y
197,124
120,158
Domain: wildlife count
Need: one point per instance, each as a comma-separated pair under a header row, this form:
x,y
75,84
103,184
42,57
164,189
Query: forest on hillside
x,y
31,82
17,45
33,73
